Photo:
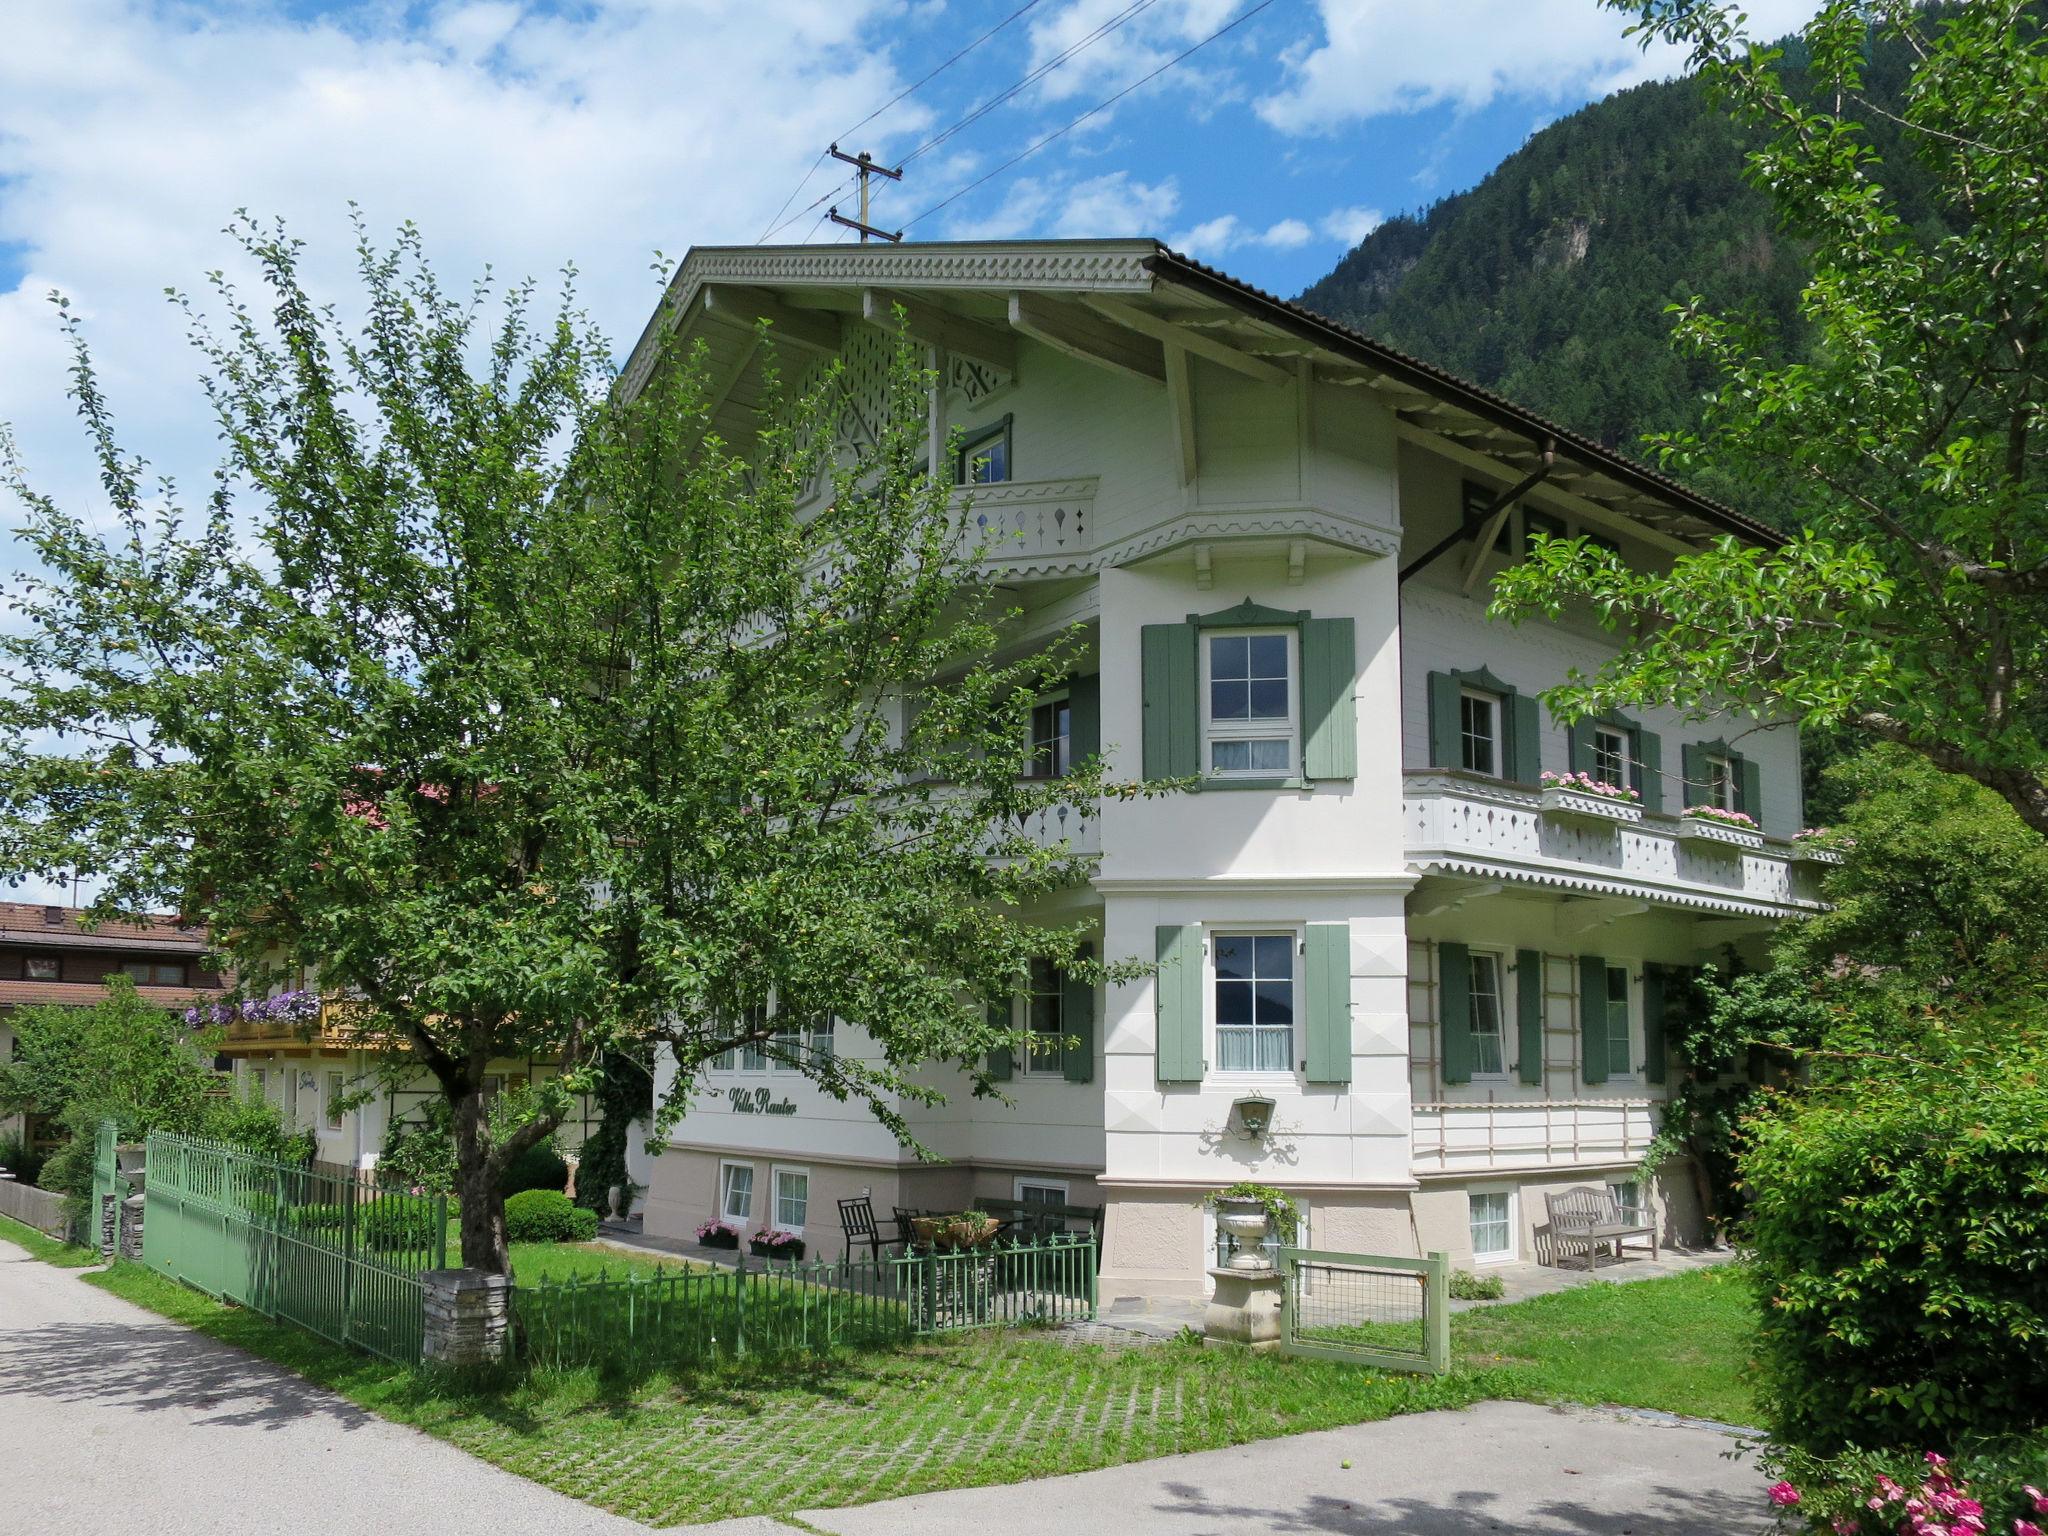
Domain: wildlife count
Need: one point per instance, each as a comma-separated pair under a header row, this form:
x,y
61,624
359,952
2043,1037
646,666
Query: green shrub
x,y
19,1158
1899,1222
314,1218
404,1223
547,1216
538,1167
1466,1286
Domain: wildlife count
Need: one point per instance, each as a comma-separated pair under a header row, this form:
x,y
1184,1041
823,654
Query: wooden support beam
x,y
748,307
1180,401
1129,315
1080,335
939,327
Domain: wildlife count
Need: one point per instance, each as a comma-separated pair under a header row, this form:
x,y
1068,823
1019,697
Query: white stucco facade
x,y
1176,448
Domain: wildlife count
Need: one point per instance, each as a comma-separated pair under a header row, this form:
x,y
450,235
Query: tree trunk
x,y
476,1180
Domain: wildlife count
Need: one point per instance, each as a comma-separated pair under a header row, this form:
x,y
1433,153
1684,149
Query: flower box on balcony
x,y
1816,846
1719,832
1581,797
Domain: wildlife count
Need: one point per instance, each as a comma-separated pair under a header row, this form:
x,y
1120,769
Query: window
x,y
1534,523
821,1037
1044,1026
792,1199
1620,1048
1610,756
1040,1192
984,456
1722,783
753,1057
42,967
786,1045
1255,1002
155,973
1493,1224
1489,1052
1479,731
1052,738
736,1192
1628,1199
1249,702
334,1097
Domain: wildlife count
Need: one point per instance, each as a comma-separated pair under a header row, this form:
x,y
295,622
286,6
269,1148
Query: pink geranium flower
x,y
1784,1495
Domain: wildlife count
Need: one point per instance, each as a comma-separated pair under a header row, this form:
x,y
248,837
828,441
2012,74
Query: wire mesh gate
x,y
1369,1309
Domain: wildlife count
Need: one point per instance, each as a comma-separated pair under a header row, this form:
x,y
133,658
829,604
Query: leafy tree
x,y
532,715
1910,605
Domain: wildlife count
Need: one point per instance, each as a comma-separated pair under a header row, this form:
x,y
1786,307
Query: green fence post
x,y
1437,1312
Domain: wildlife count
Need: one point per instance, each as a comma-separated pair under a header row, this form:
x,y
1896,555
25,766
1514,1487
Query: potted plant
x,y
718,1234
1247,1211
1709,826
1586,798
770,1244
1819,845
961,1233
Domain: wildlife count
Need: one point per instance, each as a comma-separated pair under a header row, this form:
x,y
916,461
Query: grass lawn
x,y
995,1408
48,1249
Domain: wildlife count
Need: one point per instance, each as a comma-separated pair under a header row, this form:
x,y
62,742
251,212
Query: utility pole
x,y
865,165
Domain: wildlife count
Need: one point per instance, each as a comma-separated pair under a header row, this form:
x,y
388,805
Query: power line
x,y
915,86
1129,13
1100,106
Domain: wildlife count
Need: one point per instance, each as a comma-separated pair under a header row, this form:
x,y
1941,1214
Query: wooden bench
x,y
1589,1219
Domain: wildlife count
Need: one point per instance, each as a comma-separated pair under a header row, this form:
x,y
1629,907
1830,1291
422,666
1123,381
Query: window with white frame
x,y
1052,737
984,455
1722,786
1044,1032
792,1199
1492,1218
1489,1048
335,1093
820,1036
1610,756
1033,1191
786,1045
1479,732
1255,992
1628,1199
736,1192
1620,1037
1248,703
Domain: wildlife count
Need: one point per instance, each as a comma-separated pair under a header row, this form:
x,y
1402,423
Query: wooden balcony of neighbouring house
x,y
1480,831
337,1025
1027,530
1470,1137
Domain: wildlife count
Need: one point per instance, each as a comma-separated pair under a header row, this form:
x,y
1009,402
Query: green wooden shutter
x,y
1002,1064
1578,746
1454,1009
1178,989
1650,770
1329,667
1084,718
1693,762
1525,744
1751,786
1445,745
1172,709
1529,1013
1593,1016
1077,1020
1655,982
1328,971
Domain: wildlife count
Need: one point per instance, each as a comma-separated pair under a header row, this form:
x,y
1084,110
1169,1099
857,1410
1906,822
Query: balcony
x,y
1033,528
337,1028
1548,1133
1463,825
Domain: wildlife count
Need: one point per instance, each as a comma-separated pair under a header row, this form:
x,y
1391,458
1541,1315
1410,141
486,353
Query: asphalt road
x,y
112,1419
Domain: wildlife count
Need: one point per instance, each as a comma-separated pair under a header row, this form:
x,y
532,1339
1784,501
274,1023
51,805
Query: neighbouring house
x,y
48,954
1445,985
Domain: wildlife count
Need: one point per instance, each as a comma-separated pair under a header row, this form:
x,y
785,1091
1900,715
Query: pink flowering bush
x,y
1586,784
1854,1495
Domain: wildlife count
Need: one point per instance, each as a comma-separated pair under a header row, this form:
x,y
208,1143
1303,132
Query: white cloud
x,y
1114,204
1287,235
1376,58
1209,239
1130,52
1227,232
1351,225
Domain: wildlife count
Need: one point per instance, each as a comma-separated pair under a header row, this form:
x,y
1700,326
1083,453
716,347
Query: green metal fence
x,y
321,1250
1370,1309
684,1318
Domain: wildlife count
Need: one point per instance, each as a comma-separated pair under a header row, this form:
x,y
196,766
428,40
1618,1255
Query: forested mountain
x,y
1548,281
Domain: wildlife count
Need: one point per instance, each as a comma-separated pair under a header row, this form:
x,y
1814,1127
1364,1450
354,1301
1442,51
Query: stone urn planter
x,y
1246,1221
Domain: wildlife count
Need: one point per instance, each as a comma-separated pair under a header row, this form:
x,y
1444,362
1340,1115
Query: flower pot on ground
x,y
716,1234
776,1245
955,1234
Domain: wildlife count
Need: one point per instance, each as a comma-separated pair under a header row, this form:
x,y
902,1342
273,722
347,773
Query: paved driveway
x,y
112,1419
